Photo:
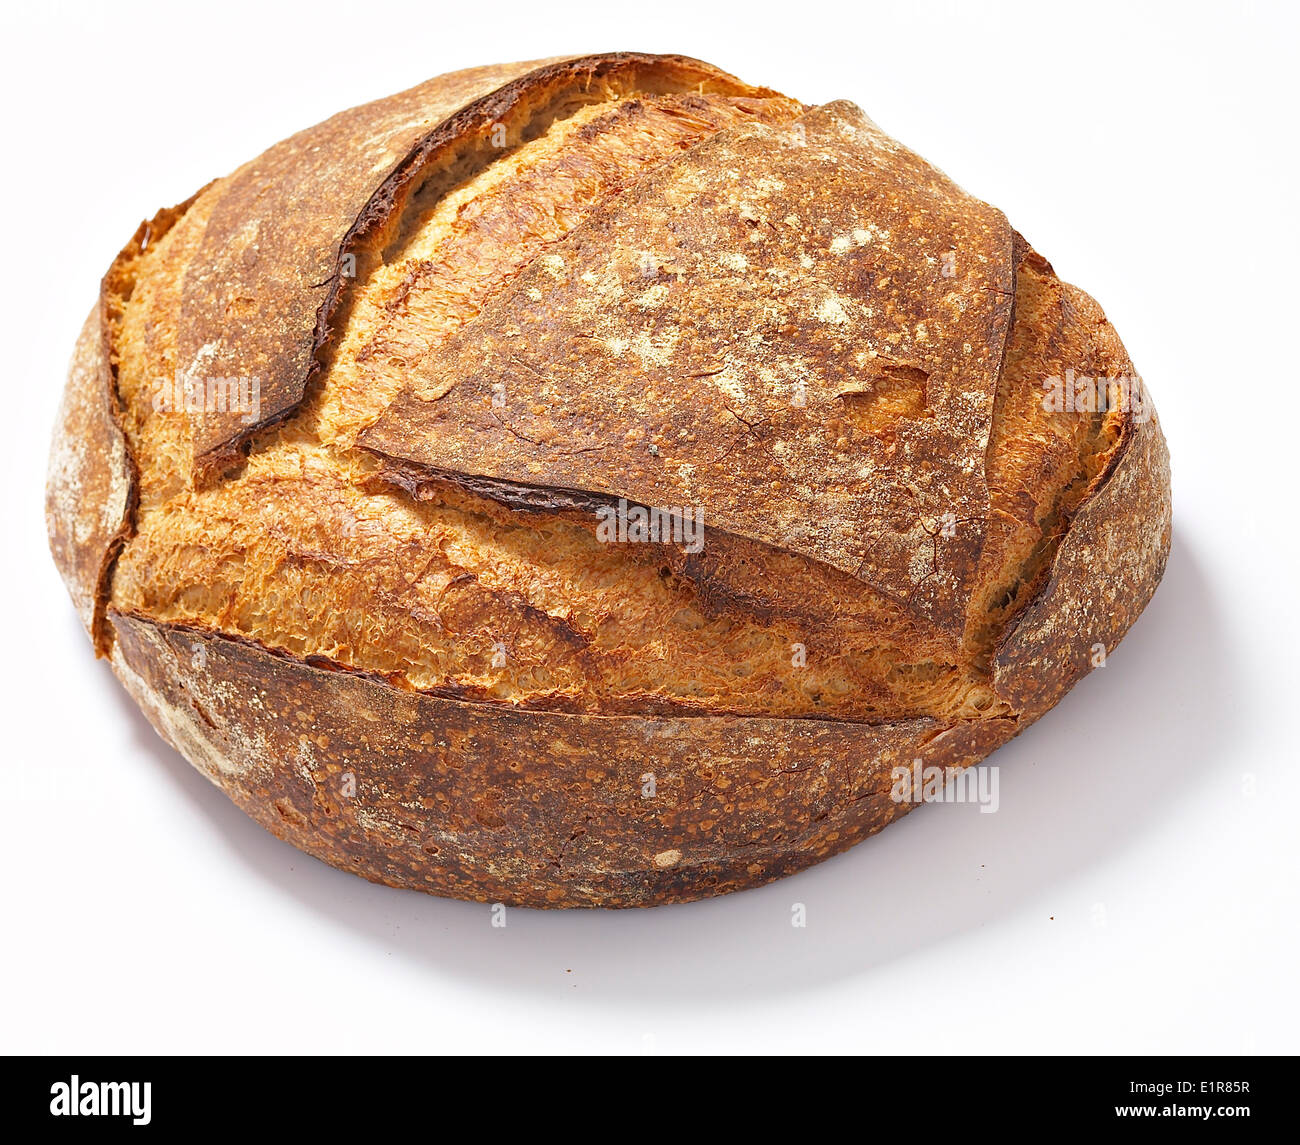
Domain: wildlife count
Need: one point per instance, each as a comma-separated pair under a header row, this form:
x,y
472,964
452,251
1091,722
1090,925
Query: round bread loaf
x,y
595,481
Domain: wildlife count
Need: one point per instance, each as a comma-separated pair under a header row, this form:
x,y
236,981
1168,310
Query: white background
x,y
1137,891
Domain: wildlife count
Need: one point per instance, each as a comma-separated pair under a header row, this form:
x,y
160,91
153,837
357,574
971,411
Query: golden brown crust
x,y
1103,574
329,612
92,485
481,801
261,291
740,302
88,488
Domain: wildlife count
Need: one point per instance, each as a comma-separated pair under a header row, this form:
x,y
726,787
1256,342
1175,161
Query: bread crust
x,y
1105,571
91,487
495,802
544,809
264,287
585,412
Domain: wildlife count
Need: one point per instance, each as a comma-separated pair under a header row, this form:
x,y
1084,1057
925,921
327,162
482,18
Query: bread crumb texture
x,y
311,547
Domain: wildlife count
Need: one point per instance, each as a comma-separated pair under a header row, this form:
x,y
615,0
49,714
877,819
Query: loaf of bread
x,y
587,482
